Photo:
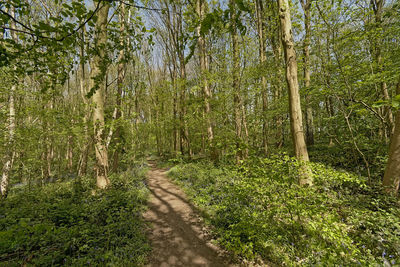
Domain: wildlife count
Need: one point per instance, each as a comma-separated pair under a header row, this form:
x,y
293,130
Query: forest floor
x,y
177,234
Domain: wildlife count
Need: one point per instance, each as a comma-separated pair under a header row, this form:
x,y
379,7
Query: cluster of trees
x,y
89,84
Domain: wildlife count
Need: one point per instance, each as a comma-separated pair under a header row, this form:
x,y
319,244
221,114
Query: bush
x,y
66,224
258,210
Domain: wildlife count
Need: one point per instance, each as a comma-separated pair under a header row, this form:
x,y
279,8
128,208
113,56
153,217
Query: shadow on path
x,y
176,236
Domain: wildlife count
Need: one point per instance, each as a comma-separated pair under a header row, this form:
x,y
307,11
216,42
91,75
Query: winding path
x,y
177,235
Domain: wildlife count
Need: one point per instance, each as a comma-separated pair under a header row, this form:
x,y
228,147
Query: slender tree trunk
x,y
306,4
120,79
262,55
200,7
275,39
70,139
69,154
185,138
82,169
377,6
9,157
296,124
175,110
171,48
97,84
391,179
246,132
327,76
48,147
236,82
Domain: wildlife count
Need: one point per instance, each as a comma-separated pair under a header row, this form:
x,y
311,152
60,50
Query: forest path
x,y
177,235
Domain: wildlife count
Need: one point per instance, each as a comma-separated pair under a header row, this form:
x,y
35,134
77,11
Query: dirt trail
x,y
177,235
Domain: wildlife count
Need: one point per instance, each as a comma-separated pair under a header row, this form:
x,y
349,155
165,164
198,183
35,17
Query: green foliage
x,y
68,224
344,156
258,209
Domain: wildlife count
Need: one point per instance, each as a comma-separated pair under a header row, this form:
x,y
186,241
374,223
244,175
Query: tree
x,y
9,156
306,4
261,50
296,124
99,66
82,166
391,178
120,79
203,59
235,77
377,7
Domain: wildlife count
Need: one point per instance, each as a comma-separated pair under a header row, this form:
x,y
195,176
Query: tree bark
x,y
82,169
275,39
262,58
391,178
296,123
97,84
185,138
120,79
236,82
200,9
306,4
377,6
9,157
47,153
246,132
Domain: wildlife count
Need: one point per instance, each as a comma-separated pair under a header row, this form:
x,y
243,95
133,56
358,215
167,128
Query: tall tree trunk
x,y
262,58
306,4
184,134
391,179
47,153
175,110
69,154
246,132
97,84
236,82
185,139
275,39
200,8
120,79
325,65
377,6
296,123
82,169
70,139
9,156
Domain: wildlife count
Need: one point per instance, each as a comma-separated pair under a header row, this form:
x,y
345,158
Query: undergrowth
x,y
68,224
258,210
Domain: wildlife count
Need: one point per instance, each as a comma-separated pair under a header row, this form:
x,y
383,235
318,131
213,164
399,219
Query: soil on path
x,y
177,235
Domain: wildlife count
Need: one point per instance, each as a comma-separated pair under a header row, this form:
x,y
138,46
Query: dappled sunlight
x,y
176,234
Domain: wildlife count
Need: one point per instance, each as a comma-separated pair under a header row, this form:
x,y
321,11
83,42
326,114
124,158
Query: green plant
x,y
66,224
258,209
